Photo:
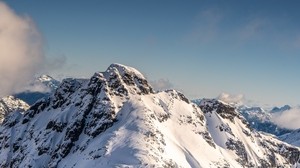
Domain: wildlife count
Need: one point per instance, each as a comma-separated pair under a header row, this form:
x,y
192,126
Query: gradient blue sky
x,y
202,47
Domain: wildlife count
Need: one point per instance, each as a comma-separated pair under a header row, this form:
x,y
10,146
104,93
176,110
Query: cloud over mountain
x,y
21,50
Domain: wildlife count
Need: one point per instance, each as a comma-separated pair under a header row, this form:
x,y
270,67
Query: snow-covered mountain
x,y
10,104
115,119
40,87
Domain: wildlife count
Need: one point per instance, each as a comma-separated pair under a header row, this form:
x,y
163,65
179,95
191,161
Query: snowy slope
x,y
115,119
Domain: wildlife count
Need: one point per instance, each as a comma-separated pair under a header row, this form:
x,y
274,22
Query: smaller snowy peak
x,y
48,81
40,87
10,104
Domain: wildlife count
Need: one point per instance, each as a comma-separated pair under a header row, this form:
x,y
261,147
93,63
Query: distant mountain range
x,y
116,119
259,118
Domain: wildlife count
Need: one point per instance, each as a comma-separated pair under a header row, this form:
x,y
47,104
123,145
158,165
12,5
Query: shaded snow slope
x,y
115,119
291,138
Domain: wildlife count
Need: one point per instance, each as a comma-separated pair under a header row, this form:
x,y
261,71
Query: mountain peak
x,y
125,78
123,69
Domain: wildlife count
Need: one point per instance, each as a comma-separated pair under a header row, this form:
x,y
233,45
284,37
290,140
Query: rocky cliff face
x,y
115,119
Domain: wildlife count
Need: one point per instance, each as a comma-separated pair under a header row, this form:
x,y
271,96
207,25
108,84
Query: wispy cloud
x,y
219,25
252,29
206,26
288,119
37,87
21,50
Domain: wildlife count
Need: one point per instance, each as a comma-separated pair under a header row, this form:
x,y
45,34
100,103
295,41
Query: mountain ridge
x,y
115,119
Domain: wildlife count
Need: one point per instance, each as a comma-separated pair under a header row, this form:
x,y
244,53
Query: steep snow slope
x,y
10,104
115,119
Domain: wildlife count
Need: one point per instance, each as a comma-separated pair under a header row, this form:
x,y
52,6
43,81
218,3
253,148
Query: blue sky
x,y
202,48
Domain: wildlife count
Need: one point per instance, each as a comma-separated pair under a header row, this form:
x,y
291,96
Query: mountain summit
x,y
115,119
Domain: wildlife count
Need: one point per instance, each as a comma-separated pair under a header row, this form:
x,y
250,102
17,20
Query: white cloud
x,y
161,84
21,50
288,119
35,88
206,27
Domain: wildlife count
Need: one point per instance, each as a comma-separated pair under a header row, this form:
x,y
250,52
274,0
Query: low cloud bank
x,y
288,119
